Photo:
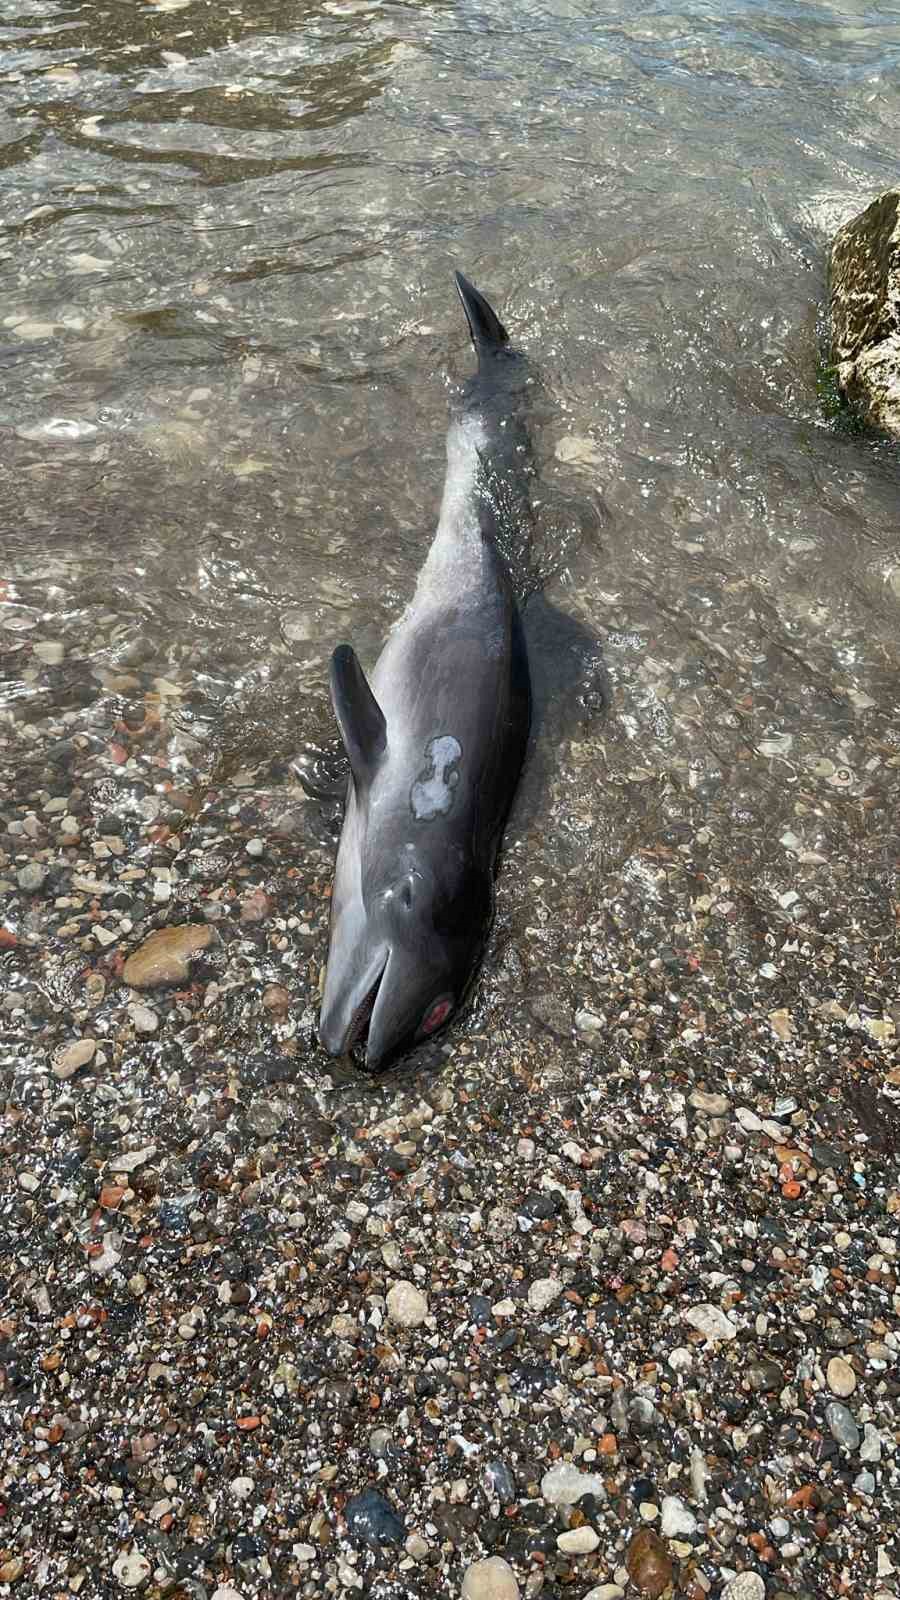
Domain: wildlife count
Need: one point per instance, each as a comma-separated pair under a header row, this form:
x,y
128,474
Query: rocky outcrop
x,y
864,290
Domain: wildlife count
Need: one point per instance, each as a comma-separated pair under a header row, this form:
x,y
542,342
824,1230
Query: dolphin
x,y
436,741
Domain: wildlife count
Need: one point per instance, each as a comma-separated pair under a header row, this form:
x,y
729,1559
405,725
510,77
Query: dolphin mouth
x,y
358,1030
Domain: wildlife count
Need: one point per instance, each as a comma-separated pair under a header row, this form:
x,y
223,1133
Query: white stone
x,y
242,1488
492,1579
711,1322
745,1586
131,1569
681,1359
143,1019
130,1160
715,1105
578,1541
225,1591
870,1449
606,1591
406,1305
50,651
676,1517
565,1484
543,1292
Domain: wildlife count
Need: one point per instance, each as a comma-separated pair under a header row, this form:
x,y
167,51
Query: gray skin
x,y
436,743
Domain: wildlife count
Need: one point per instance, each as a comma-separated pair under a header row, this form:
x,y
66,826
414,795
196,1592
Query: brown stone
x,y
649,1563
165,957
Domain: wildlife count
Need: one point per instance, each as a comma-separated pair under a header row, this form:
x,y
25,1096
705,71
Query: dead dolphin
x,y
436,744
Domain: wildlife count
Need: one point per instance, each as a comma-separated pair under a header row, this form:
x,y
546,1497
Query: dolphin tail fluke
x,y
487,331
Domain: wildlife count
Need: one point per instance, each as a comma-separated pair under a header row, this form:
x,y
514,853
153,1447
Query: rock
x,y
543,1292
276,1000
765,1376
131,1569
30,878
226,1591
870,1449
255,847
745,1586
864,295
499,1482
255,906
841,1377
649,1563
606,1591
372,1520
406,1305
842,1426
50,651
266,1116
69,1057
588,1024
166,956
578,1541
11,1570
714,1105
711,1322
143,1019
565,1484
676,1517
492,1579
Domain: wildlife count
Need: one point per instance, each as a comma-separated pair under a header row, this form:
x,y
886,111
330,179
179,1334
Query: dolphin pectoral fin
x,y
485,327
359,716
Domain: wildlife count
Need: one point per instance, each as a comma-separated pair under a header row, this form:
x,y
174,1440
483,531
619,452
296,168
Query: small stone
x,y
68,1059
543,1292
242,1488
266,1117
372,1520
255,847
606,1591
870,1449
565,1484
31,878
649,1563
589,1024
714,1105
676,1518
492,1579
165,957
406,1305
765,1376
711,1322
131,1569
745,1586
276,1000
416,1547
499,1482
843,1427
143,1019
841,1377
226,1591
578,1541
255,906
11,1570
130,1160
50,651
681,1359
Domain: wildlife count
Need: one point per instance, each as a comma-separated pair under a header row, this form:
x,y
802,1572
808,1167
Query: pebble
x,y
131,1569
416,1547
226,1591
50,651
266,1117
745,1586
31,877
492,1579
500,1483
242,1488
11,1570
715,1105
589,1024
565,1484
711,1322
144,1020
606,1591
543,1292
578,1541
255,847
681,1359
870,1449
68,1059
765,1376
841,1377
372,1520
648,1563
677,1518
165,956
406,1305
842,1426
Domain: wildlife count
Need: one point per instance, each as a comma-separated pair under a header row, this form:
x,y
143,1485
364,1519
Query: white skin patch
x,y
432,793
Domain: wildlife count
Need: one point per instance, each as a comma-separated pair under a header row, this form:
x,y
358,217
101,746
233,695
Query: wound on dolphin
x,y
435,741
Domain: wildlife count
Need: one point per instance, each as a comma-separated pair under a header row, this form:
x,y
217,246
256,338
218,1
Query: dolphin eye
x,y
436,1015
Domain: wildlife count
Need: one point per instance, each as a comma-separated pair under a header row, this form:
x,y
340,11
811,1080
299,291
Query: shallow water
x,y
228,327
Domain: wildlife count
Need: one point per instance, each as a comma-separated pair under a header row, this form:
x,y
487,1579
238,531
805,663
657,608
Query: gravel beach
x,y
596,1297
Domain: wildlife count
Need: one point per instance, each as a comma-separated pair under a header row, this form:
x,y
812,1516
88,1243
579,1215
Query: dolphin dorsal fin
x,y
359,716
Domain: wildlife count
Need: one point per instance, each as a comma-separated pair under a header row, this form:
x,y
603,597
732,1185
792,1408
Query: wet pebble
x,y
492,1579
543,1292
266,1117
144,1020
165,957
842,1426
745,1586
712,1322
677,1519
565,1484
500,1483
649,1563
31,878
407,1305
68,1059
372,1520
131,1569
765,1376
578,1541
